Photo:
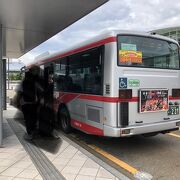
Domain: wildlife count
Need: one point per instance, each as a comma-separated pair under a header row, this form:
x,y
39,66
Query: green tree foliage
x,y
15,76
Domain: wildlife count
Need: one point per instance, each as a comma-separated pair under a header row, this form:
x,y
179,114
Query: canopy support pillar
x,y
1,86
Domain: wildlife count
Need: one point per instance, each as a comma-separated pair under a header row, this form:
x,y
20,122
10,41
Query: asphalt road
x,y
158,155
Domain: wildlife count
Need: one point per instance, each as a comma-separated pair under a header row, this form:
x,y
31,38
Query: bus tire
x,y
65,120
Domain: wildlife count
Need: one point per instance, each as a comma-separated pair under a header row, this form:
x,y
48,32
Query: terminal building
x,y
172,32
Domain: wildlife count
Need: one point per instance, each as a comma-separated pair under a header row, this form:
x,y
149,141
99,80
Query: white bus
x,y
117,84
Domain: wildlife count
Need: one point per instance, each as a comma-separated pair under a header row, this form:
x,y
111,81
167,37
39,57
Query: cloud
x,y
29,57
137,15
149,15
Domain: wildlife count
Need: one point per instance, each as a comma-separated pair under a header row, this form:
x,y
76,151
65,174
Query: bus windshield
x,y
146,52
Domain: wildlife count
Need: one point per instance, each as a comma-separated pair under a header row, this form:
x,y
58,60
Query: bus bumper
x,y
142,129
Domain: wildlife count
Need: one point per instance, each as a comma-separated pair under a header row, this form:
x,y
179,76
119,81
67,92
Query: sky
x,y
136,15
15,65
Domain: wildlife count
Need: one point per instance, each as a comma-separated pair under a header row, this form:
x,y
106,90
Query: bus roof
x,y
103,36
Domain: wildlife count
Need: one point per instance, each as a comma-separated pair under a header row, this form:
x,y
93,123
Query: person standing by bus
x,y
28,104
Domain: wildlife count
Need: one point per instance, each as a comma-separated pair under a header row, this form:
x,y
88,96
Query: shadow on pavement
x,y
47,143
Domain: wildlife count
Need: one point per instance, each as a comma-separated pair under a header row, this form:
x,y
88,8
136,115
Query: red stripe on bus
x,y
66,98
116,99
86,47
107,99
87,128
99,98
174,98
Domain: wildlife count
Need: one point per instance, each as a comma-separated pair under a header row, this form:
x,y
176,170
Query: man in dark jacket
x,y
29,103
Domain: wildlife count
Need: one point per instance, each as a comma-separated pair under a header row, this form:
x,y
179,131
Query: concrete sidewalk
x,y
20,159
15,163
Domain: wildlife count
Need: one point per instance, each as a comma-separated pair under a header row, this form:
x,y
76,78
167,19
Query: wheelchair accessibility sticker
x,y
123,83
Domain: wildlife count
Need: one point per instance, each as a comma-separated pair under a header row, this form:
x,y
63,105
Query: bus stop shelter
x,y
24,24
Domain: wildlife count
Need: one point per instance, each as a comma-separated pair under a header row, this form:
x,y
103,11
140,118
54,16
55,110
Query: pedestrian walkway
x,y
47,158
15,163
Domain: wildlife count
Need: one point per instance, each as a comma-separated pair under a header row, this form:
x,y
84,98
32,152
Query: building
x,y
172,32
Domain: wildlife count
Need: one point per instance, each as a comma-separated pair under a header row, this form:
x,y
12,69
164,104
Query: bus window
x,y
138,51
85,70
60,67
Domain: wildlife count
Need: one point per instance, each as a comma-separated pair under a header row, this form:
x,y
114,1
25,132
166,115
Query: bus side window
x,y
84,73
93,77
59,74
92,81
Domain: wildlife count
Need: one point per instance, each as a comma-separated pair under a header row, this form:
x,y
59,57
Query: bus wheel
x,y
65,120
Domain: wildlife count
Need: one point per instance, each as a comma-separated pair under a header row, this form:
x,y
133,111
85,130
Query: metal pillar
x,y
4,84
1,85
8,73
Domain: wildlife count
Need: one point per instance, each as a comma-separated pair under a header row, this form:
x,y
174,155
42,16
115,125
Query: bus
x,y
117,84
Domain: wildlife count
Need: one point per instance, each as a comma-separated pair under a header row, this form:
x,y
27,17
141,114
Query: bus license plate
x,y
173,110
